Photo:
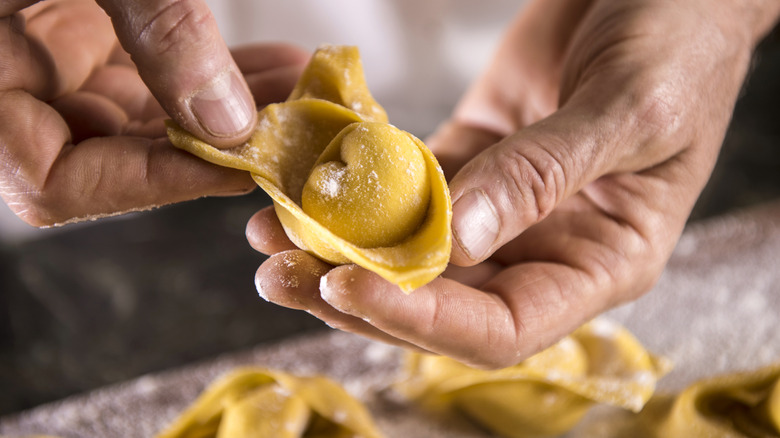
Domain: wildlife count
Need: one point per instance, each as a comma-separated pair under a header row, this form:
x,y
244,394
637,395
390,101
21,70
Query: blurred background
x,y
92,304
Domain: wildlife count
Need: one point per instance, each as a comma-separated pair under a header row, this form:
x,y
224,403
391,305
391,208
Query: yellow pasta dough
x,y
253,402
349,175
547,394
347,186
735,405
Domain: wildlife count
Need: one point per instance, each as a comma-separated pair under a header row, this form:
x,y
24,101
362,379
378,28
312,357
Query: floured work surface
x,y
715,310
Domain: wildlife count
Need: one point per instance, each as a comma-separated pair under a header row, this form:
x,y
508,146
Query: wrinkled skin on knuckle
x,y
632,271
174,29
654,103
636,265
638,278
531,180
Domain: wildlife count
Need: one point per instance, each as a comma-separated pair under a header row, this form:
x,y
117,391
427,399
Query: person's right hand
x,y
577,157
81,122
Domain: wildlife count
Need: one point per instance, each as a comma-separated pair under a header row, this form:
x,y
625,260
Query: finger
x,y
523,310
122,85
187,66
443,317
473,276
255,58
120,57
90,115
153,128
626,220
292,279
582,236
456,142
274,85
265,234
271,70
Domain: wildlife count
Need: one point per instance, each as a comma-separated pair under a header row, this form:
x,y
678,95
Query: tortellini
x,y
347,186
255,402
730,406
548,393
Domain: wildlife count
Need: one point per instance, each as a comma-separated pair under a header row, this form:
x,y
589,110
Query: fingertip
x,y
290,279
265,233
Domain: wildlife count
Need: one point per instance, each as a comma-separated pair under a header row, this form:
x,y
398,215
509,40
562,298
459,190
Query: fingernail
x,y
224,108
475,224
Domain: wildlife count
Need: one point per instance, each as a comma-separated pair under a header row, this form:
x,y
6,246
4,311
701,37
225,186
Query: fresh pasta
x,y
256,402
347,186
548,393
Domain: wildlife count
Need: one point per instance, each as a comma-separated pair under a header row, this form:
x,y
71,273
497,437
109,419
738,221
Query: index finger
x,y
476,327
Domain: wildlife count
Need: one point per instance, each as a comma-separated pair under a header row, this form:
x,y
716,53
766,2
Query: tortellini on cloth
x,y
253,402
736,405
347,186
548,393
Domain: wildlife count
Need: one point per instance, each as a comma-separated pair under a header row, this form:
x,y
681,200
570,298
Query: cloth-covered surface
x,y
546,394
715,310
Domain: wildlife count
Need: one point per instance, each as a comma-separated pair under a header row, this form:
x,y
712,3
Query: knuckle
x,y
534,179
633,269
499,346
656,107
175,27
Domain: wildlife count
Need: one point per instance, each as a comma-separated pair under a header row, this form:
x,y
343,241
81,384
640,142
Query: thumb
x,y
518,181
183,60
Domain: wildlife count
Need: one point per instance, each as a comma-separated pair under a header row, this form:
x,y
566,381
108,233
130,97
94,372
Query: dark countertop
x,y
93,305
107,302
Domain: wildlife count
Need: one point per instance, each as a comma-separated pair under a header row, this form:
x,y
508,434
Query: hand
x,y
81,124
579,155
